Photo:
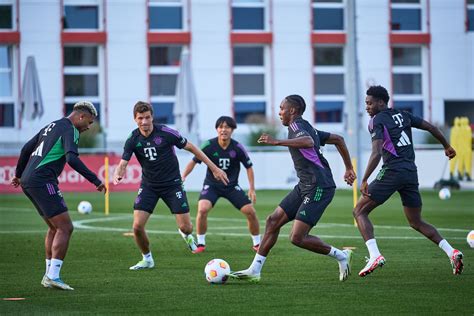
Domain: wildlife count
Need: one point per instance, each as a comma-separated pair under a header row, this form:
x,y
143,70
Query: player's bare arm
x,y
338,141
217,173
251,193
189,168
120,171
299,142
448,150
375,156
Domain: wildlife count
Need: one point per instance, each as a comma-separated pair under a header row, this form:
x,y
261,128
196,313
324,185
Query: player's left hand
x,y
220,175
350,176
101,188
252,196
450,152
15,182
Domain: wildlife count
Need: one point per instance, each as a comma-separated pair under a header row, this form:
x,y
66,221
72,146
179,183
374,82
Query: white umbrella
x,y
185,109
31,101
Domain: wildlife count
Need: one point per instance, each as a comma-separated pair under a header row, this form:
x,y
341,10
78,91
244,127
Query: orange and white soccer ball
x,y
470,238
216,271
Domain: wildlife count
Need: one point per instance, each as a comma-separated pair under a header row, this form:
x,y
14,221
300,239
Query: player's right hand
x,y
450,152
117,179
220,175
15,182
101,188
364,188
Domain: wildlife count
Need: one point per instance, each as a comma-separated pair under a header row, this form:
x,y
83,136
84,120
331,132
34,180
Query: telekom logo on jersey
x,y
150,153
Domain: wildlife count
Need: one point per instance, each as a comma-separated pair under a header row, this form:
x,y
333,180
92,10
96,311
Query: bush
x,y
88,139
258,126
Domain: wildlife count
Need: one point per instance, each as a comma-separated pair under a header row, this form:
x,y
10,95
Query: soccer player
x,y
390,130
41,161
153,145
310,197
226,153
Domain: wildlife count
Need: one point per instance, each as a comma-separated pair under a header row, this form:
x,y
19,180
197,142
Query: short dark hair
x,y
228,120
296,101
142,107
378,92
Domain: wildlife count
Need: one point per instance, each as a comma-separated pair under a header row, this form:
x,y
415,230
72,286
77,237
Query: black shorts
x,y
307,206
47,199
174,197
389,181
234,194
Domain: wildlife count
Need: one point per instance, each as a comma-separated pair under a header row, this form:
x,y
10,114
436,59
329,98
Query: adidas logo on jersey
x,y
404,140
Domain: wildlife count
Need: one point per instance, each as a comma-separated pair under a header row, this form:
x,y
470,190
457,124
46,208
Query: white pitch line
x,y
81,225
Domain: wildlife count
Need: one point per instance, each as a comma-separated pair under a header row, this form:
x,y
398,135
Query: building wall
x,y
448,68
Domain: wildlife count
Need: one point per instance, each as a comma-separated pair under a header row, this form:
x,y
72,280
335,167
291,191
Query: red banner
x,y
71,181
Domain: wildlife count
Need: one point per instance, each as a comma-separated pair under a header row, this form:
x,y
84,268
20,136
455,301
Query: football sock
x,y
336,254
372,247
48,264
257,264
147,256
256,240
443,244
55,268
201,239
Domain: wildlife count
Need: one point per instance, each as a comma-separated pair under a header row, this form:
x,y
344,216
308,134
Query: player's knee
x,y
271,224
138,228
296,239
66,229
203,211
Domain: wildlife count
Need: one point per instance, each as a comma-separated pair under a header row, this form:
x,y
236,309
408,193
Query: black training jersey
x,y
311,167
47,160
156,155
394,128
228,159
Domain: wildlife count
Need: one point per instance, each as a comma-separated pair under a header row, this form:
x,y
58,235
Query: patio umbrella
x,y
186,109
31,101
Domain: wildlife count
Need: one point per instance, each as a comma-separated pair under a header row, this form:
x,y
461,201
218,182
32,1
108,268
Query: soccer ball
x,y
470,238
444,194
216,271
84,207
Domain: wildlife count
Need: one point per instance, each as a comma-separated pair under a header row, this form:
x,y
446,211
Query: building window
x,y
328,15
329,87
7,87
81,17
82,79
166,15
406,15
6,16
248,15
249,82
470,15
407,78
415,107
164,69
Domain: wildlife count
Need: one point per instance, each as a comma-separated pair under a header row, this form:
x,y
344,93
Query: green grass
x,y
417,278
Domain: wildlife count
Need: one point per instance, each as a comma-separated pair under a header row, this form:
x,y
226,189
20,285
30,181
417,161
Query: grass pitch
x,y
417,278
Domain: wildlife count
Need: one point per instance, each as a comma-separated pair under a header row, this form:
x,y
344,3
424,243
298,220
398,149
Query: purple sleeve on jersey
x,y
311,155
371,124
171,131
387,143
178,140
243,150
294,127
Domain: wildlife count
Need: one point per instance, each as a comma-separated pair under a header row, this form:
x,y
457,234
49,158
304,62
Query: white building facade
x,y
247,55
